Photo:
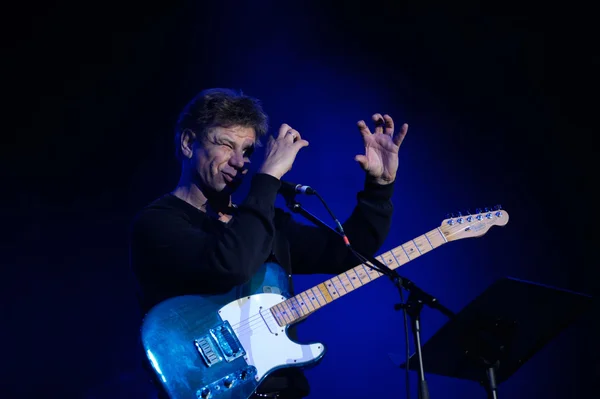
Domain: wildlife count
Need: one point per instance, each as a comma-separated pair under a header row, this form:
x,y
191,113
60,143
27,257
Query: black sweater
x,y
176,249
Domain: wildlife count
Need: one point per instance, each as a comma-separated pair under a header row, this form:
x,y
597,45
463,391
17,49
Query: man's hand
x,y
281,151
380,160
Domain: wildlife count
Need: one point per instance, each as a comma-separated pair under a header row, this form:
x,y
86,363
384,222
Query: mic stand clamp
x,y
416,300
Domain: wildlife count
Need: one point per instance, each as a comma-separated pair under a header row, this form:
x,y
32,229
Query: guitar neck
x,y
303,304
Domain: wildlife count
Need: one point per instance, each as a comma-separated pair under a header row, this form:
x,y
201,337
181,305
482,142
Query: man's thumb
x,y
362,160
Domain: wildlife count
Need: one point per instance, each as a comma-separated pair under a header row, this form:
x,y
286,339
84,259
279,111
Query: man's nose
x,y
237,160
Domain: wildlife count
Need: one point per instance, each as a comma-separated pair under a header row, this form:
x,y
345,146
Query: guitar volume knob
x,y
228,381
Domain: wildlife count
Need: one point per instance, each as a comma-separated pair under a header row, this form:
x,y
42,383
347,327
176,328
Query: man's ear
x,y
186,143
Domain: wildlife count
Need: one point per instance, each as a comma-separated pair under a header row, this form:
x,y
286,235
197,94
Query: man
x,y
194,240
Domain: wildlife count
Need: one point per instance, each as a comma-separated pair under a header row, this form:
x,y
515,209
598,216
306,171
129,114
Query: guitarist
x,y
194,240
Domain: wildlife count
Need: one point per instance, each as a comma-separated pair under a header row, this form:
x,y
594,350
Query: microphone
x,y
288,188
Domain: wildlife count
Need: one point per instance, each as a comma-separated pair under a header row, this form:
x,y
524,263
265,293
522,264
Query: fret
x,y
305,303
283,313
362,274
406,252
442,234
326,296
436,238
401,255
278,317
422,245
388,260
395,259
417,247
354,278
306,298
372,273
333,292
338,285
429,241
300,305
293,314
317,296
345,282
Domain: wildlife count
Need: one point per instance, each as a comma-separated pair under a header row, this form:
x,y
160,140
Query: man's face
x,y
221,158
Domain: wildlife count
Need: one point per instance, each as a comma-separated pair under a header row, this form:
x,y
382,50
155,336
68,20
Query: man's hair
x,y
219,107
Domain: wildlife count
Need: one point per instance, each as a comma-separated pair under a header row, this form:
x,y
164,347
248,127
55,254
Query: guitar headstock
x,y
473,225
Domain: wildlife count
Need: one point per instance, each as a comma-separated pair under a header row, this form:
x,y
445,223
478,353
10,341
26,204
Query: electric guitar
x,y
224,346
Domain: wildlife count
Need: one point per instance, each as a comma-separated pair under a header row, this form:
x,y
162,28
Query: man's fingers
x,y
389,125
283,129
379,122
363,129
292,135
399,137
362,160
301,143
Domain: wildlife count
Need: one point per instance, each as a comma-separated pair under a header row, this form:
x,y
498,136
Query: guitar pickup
x,y
219,344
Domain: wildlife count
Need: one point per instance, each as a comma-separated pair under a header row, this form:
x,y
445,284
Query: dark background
x,y
500,100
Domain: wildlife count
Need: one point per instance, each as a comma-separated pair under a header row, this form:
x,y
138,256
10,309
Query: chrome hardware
x,y
220,344
273,395
207,348
222,385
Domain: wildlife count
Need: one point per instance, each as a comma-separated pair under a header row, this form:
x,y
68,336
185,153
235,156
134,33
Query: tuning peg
x,y
450,215
497,207
477,210
487,209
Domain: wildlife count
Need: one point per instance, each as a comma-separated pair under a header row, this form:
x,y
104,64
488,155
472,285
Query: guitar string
x,y
254,322
251,322
320,295
293,309
258,321
248,323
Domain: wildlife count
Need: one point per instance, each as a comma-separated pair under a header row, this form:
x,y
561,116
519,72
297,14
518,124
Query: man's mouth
x,y
228,178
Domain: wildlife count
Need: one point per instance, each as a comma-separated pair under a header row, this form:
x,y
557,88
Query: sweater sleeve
x,y
315,250
168,249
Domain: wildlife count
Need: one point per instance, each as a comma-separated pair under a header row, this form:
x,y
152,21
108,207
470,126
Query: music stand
x,y
495,334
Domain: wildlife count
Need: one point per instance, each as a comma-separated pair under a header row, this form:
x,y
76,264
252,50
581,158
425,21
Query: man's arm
x,y
167,245
314,250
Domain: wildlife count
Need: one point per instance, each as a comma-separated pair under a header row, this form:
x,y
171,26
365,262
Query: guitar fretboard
x,y
303,304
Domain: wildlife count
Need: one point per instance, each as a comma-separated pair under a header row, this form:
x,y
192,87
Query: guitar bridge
x,y
219,344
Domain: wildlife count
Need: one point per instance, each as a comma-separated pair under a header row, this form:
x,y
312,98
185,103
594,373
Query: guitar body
x,y
222,346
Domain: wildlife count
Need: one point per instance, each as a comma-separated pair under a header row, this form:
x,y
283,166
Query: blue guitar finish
x,y
195,353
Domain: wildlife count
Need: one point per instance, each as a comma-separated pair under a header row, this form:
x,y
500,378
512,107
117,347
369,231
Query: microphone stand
x,y
416,300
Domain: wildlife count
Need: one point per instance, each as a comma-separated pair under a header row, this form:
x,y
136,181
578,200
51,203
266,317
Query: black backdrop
x,y
91,89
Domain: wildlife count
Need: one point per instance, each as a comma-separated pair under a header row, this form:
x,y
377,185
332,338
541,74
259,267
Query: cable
x,y
338,225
